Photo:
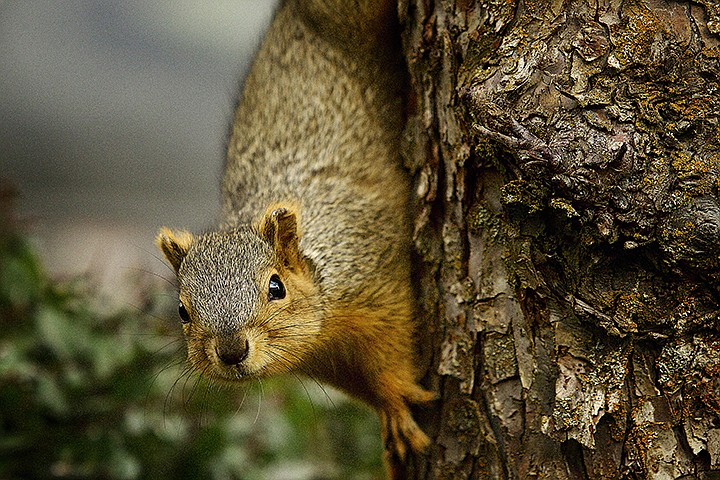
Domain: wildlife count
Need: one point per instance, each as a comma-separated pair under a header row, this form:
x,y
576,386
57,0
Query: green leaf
x,y
21,278
50,394
57,330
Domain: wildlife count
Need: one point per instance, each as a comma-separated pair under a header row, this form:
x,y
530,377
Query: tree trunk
x,y
567,165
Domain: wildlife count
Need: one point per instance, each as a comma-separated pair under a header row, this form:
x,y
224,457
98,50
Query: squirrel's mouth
x,y
228,364
230,374
215,370
247,357
224,362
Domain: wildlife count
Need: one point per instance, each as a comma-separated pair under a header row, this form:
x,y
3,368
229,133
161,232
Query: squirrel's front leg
x,y
377,350
399,429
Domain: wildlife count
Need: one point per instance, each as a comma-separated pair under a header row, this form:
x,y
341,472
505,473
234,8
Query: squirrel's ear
x,y
174,245
279,227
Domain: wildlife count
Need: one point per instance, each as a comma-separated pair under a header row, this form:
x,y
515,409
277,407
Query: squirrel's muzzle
x,y
232,351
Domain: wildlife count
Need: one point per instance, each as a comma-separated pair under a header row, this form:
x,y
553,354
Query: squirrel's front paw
x,y
399,431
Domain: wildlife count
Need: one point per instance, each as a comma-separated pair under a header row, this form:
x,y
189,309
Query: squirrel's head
x,y
248,303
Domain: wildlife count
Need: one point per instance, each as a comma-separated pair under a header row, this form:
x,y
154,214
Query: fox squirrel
x,y
309,270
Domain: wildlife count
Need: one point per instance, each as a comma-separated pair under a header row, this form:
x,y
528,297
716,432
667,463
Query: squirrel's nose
x,y
232,352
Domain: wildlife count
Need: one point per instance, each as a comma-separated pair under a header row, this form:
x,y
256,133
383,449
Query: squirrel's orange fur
x,y
309,271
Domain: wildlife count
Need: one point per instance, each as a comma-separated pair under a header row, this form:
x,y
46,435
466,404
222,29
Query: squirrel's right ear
x,y
279,228
174,245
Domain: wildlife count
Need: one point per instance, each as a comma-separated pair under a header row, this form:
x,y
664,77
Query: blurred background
x,y
113,116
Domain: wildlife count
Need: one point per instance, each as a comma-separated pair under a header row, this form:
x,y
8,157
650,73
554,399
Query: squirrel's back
x,y
309,271
318,124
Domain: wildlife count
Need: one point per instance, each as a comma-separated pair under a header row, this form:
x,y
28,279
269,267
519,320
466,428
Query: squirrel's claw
x,y
420,395
400,431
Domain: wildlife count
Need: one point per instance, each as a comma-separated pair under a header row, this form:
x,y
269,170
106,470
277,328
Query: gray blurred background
x,y
113,116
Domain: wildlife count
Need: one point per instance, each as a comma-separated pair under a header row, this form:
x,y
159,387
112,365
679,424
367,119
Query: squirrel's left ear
x,y
174,245
279,227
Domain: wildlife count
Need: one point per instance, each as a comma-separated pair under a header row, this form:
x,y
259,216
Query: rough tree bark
x,y
567,167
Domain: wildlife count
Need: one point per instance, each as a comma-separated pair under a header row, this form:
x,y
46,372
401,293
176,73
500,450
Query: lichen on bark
x,y
567,164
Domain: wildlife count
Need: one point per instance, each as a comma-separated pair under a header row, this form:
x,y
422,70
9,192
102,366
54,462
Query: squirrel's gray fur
x,y
317,126
314,196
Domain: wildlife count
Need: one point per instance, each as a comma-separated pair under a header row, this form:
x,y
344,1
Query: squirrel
x,y
309,269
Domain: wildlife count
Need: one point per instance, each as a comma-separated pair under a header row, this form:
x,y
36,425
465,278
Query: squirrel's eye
x,y
276,291
184,315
